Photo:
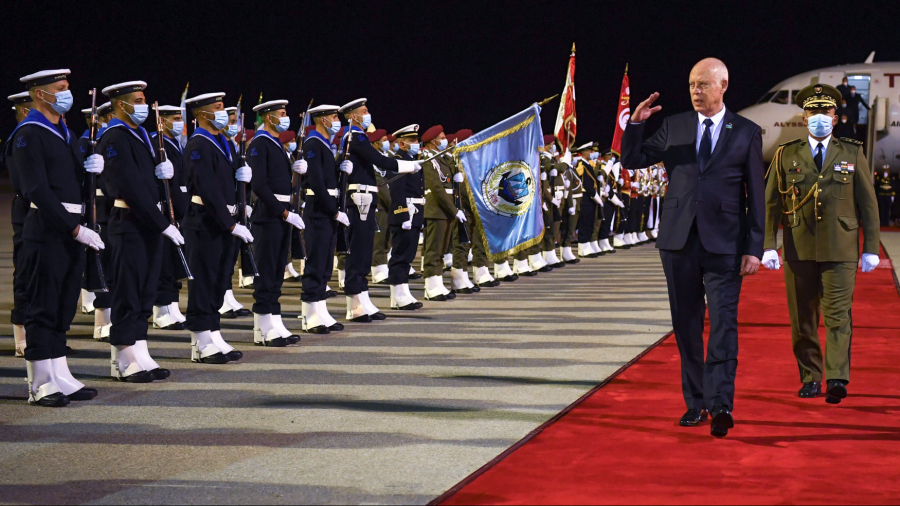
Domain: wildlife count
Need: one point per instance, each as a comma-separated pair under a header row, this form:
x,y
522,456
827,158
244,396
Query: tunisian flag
x,y
565,118
623,116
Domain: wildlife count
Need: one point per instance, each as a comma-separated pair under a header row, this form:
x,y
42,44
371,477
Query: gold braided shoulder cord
x,y
779,171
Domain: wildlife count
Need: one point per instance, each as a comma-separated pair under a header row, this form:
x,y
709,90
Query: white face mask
x,y
385,145
335,126
442,145
365,121
292,146
232,130
141,111
414,148
177,128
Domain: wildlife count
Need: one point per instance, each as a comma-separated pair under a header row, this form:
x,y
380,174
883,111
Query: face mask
x,y
414,149
843,121
141,111
820,125
366,121
232,131
63,103
385,146
220,119
335,126
292,146
104,125
595,155
553,149
283,124
442,145
177,128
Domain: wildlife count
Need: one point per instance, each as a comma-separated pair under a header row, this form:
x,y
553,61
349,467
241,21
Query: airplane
x,y
877,82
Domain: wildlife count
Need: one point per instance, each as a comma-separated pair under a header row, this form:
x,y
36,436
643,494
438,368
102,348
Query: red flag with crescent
x,y
623,115
564,130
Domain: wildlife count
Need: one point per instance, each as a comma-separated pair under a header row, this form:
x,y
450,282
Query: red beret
x,y
310,128
463,134
450,137
377,134
431,133
391,138
286,136
548,140
248,134
340,134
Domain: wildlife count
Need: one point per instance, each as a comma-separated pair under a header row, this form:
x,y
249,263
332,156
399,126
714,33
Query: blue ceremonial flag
x,y
502,166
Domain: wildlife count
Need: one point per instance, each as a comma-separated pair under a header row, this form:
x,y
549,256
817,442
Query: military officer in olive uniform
x,y
886,190
820,190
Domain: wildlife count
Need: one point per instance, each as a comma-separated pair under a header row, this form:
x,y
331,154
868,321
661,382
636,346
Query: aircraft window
x,y
768,96
794,96
781,97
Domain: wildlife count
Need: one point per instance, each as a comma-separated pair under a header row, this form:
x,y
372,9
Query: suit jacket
x,y
726,198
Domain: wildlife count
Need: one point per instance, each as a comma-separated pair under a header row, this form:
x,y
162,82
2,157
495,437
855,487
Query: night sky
x,y
463,65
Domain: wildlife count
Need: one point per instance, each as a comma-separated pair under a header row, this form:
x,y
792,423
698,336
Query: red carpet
x,y
623,445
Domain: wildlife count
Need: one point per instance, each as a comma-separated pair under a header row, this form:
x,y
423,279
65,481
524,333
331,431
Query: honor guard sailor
x,y
406,220
231,308
49,167
588,213
210,227
20,205
166,313
272,221
136,229
322,219
363,190
379,140
820,190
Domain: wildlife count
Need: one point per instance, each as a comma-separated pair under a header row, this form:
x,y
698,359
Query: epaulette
x,y
788,143
852,141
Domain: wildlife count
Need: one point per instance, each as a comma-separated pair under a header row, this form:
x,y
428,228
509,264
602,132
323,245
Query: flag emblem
x,y
509,188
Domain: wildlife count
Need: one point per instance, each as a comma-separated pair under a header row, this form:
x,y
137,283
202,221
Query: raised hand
x,y
644,109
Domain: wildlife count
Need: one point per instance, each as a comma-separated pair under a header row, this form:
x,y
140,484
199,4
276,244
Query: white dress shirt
x,y
716,129
814,145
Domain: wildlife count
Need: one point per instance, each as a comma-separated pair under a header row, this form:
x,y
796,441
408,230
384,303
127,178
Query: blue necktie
x,y
705,144
818,157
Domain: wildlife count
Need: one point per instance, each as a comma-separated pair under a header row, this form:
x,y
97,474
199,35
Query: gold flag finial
x,y
573,48
547,100
626,68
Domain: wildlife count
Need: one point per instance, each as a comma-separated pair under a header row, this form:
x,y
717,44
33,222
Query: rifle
x,y
298,249
343,242
457,201
94,277
248,262
430,158
167,194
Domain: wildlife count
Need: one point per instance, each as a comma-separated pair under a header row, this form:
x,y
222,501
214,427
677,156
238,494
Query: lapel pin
x,y
728,125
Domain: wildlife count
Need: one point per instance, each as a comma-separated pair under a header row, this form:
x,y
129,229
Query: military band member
x,y
210,227
820,190
166,313
136,229
322,216
22,107
362,191
273,220
886,185
47,163
406,220
379,140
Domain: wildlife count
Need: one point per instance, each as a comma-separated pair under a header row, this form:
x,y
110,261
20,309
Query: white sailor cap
x,y
125,88
231,110
204,99
349,106
20,98
407,131
271,105
45,77
87,111
588,145
323,110
168,110
104,109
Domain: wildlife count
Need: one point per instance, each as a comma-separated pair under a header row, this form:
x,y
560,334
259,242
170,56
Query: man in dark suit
x,y
711,230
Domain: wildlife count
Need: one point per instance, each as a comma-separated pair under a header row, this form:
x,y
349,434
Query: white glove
x,y
461,216
596,198
94,164
295,220
342,219
347,166
615,200
458,177
556,202
635,185
248,210
244,174
172,233
90,238
406,225
566,182
544,207
405,166
543,176
869,262
770,260
621,181
165,170
554,172
572,210
242,233
606,190
299,166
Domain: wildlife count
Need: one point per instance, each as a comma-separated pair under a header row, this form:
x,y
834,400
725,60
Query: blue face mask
x,y
232,131
141,111
335,126
220,119
177,128
63,102
292,146
820,125
395,147
442,145
366,121
595,155
414,149
385,146
283,124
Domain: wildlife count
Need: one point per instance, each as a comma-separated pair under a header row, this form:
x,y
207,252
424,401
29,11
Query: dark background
x,y
464,65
